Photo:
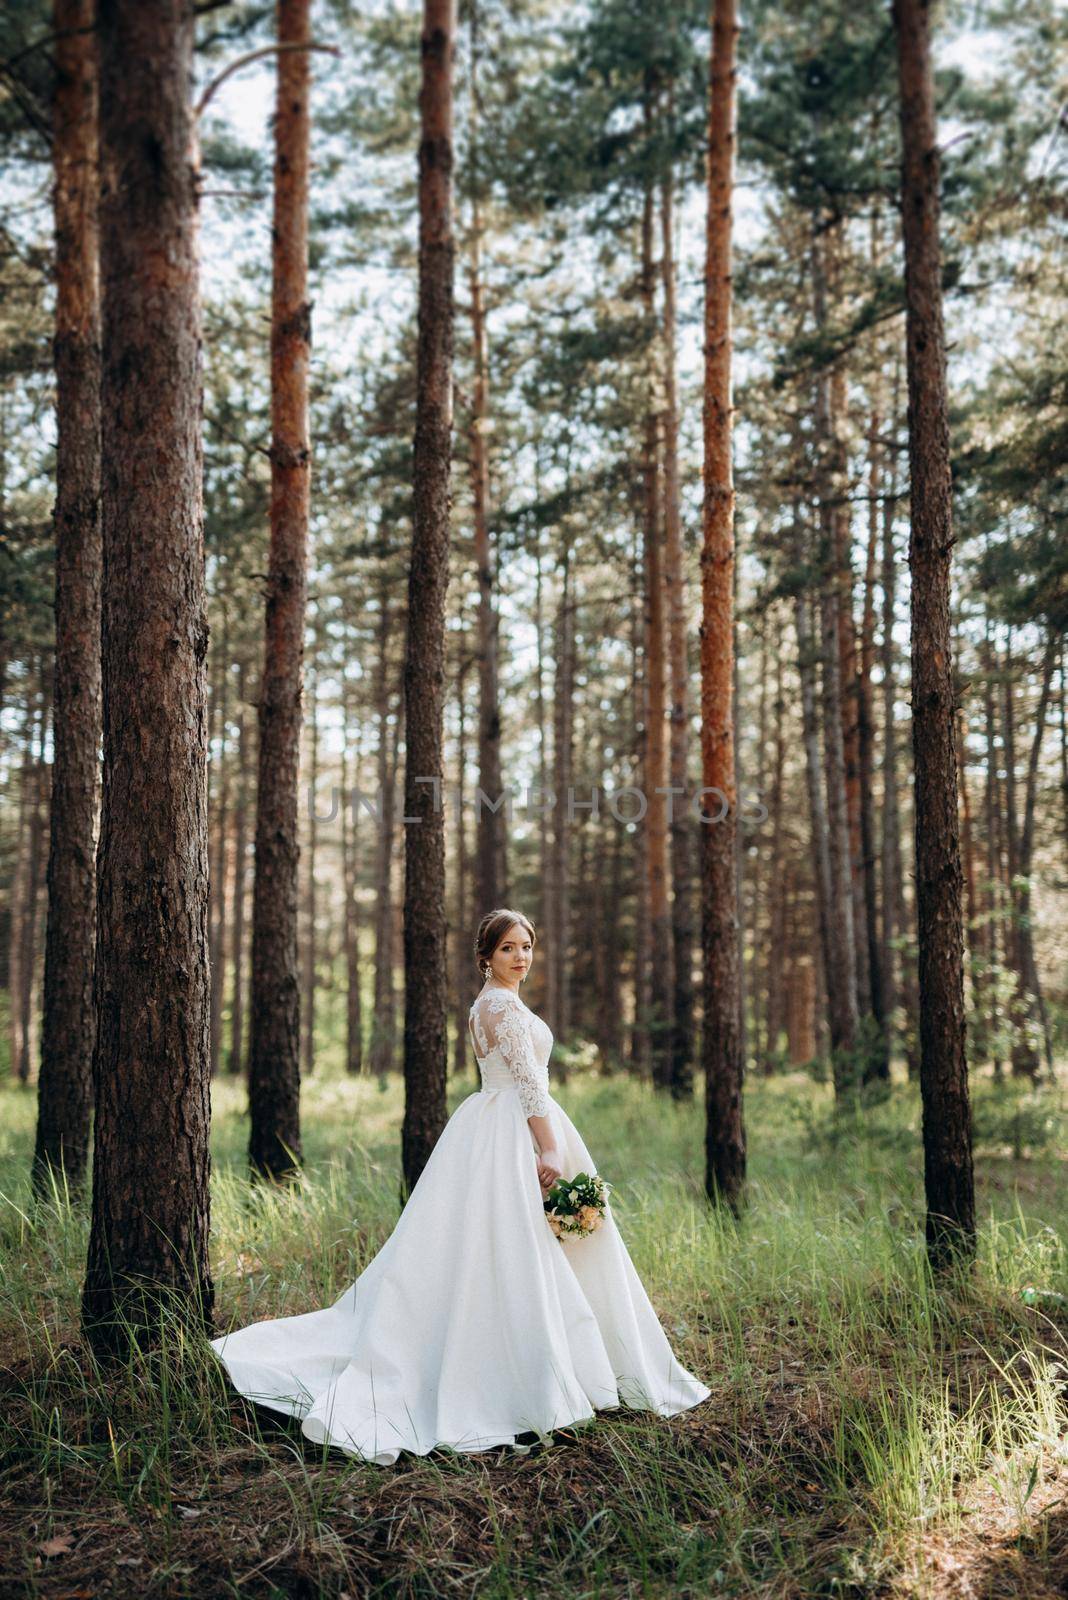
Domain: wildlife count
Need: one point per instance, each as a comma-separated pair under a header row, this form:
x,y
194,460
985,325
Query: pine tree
x,y
150,1209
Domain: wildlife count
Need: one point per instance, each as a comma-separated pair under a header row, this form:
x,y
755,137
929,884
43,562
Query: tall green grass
x,y
856,1407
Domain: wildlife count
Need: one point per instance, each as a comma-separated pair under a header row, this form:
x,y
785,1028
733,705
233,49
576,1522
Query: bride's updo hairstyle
x,y
492,929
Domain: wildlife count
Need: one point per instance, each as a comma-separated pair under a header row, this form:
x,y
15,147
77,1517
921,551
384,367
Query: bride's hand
x,y
550,1168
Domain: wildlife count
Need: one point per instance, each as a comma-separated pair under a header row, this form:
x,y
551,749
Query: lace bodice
x,y
506,1032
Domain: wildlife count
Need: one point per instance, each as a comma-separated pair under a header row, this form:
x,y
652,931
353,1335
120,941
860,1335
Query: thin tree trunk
x,y
682,851
721,1050
68,1024
1039,1016
1024,1051
774,973
877,1056
274,1058
563,725
890,819
807,656
655,825
217,895
463,938
425,951
993,902
491,887
350,862
237,952
639,1045
383,1016
948,1179
848,660
841,970
38,802
148,1244
545,849
310,908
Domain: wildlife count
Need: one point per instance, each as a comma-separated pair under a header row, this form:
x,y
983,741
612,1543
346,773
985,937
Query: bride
x,y
474,1323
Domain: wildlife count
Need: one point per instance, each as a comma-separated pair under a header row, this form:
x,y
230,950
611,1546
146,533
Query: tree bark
x,y
463,934
994,908
655,828
383,1013
350,862
682,851
877,1054
559,1017
68,1026
425,945
725,1153
774,970
274,1056
38,809
217,895
237,952
807,654
890,821
148,1245
948,1180
307,1066
841,972
1038,1013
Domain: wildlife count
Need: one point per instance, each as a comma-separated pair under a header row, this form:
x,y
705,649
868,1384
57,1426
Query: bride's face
x,y
510,962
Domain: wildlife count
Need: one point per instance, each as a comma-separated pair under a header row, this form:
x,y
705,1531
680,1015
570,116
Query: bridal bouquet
x,y
574,1208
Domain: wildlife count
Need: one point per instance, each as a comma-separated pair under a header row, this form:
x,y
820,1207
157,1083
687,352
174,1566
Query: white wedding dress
x,y
473,1323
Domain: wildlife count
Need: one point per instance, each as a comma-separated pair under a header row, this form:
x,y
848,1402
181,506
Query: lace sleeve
x,y
506,1022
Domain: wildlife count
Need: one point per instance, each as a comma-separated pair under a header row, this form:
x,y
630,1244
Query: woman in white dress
x,y
475,1324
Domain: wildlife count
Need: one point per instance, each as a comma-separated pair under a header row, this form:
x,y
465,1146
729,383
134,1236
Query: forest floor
x,y
866,1435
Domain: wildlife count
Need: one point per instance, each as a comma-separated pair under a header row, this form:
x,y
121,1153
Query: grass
x,y
866,1434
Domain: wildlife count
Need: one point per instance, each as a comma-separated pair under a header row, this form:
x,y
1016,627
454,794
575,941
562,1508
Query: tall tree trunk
x,y
682,851
947,1142
1024,1050
994,909
68,1025
425,952
310,908
848,659
463,935
383,1015
807,656
841,968
274,1057
491,885
1039,1016
217,895
721,1046
148,1244
655,826
774,972
38,804
563,723
877,1055
237,952
640,1054
545,851
891,825
350,862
